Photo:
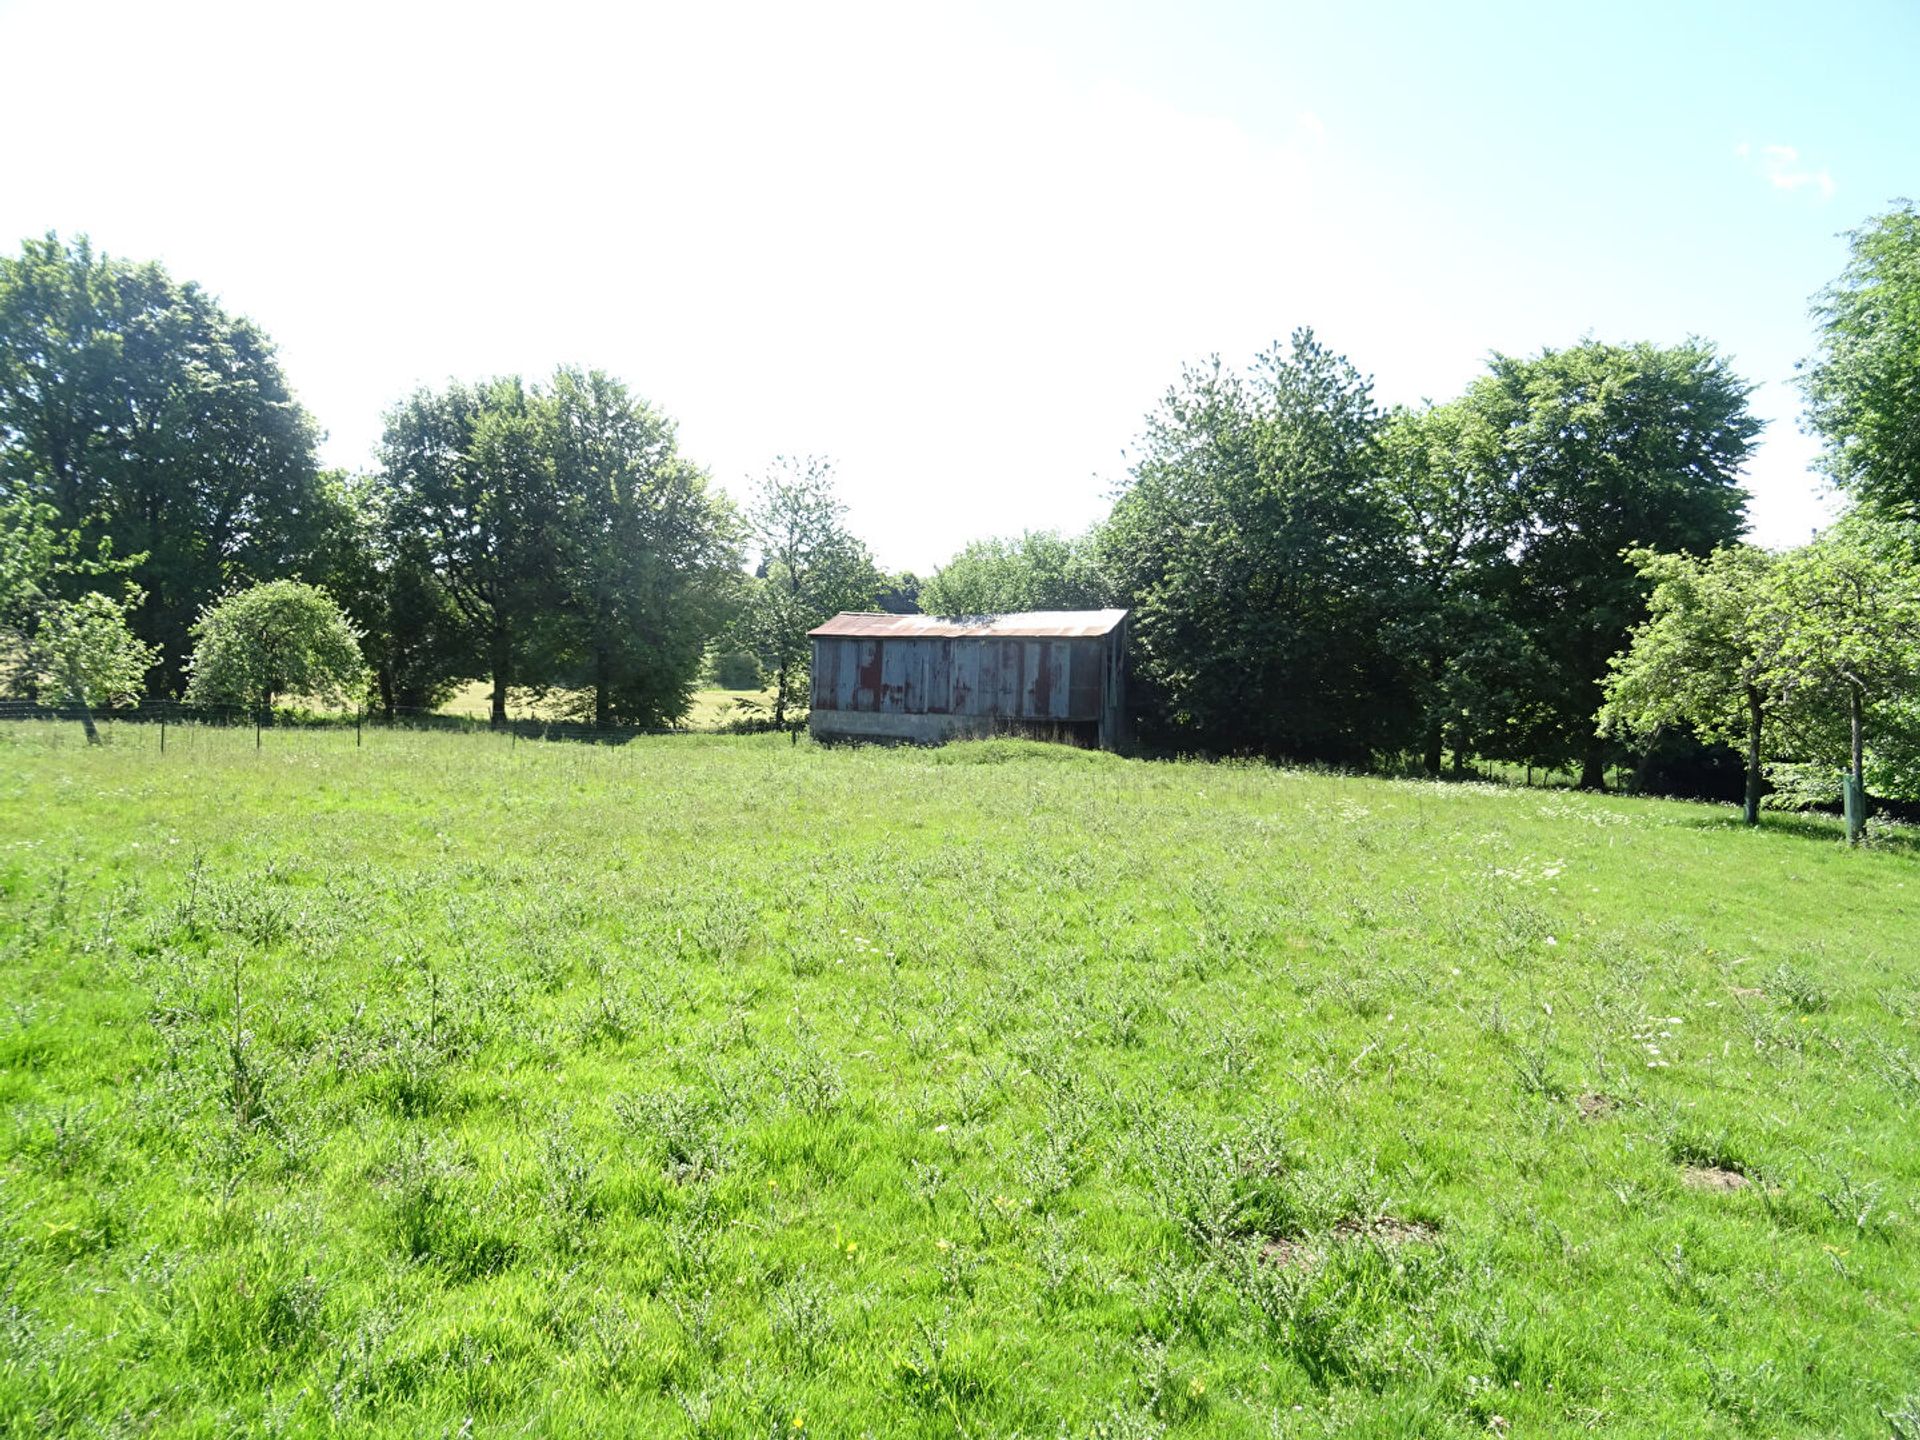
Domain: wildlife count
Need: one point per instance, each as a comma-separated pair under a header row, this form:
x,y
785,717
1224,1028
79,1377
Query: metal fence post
x,y
356,728
163,729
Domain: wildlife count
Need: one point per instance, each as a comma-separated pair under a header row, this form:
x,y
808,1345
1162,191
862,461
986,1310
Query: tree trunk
x,y
1436,745
600,721
1593,766
86,722
386,692
502,661
780,696
1754,716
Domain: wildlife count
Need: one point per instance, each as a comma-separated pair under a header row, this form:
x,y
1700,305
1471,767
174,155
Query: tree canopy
x,y
1863,386
810,568
78,651
273,640
143,413
1037,570
1259,551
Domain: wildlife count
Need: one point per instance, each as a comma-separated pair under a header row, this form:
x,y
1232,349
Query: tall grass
x,y
703,1086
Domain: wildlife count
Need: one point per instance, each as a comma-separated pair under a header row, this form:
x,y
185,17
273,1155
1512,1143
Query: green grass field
x,y
706,1086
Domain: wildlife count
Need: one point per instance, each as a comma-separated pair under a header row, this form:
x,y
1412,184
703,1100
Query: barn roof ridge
x,y
1018,624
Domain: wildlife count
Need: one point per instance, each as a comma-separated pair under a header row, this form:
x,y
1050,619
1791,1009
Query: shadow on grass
x,y
1828,829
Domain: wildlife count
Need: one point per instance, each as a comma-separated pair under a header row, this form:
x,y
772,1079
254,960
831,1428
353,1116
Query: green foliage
x,y
648,564
735,670
416,642
1704,656
811,568
277,639
147,416
918,1098
1605,449
470,494
1260,553
1863,388
1476,673
1845,612
1037,571
78,652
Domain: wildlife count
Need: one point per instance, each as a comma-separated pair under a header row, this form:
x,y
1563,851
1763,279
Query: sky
x,y
963,250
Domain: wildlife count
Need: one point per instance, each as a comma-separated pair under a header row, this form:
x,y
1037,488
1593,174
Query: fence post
x,y
163,727
356,727
256,732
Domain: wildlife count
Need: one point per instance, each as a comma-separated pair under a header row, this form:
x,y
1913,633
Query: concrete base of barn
x,y
832,727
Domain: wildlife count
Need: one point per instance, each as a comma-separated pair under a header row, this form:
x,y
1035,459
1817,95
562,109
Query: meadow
x,y
721,1086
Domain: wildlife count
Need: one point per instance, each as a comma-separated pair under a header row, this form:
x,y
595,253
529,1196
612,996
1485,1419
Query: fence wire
x,y
160,715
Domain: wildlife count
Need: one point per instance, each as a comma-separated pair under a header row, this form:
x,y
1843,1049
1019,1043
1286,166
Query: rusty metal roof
x,y
1028,624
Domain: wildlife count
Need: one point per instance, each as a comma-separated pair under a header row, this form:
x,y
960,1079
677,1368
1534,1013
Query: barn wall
x,y
941,679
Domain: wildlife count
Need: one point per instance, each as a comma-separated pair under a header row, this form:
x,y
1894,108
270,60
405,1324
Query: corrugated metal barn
x,y
928,678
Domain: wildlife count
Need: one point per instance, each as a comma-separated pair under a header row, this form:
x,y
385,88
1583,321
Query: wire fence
x,y
158,717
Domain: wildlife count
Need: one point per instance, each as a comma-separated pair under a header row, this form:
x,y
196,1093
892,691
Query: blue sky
x,y
963,249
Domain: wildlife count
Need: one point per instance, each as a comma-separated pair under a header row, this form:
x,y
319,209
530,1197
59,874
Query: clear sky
x,y
964,249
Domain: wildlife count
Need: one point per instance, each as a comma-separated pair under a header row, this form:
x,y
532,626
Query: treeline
x,y
548,537
1545,571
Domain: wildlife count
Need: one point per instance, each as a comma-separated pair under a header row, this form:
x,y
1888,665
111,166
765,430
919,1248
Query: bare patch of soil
x,y
1299,1254
1594,1106
1745,992
1289,1254
1713,1177
1387,1230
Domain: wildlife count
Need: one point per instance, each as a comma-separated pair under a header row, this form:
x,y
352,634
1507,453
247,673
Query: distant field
x,y
714,1086
711,708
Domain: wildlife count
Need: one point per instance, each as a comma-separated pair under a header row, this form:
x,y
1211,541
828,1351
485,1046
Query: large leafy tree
x,y
1704,658
469,491
1038,570
1473,669
1606,449
1264,559
145,414
417,644
79,651
1845,611
1863,387
272,640
648,559
811,567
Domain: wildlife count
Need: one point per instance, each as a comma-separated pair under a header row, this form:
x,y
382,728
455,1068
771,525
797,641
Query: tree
x,y
144,414
1607,449
1039,570
1473,668
80,650
1704,657
1263,559
469,480
648,564
1863,388
280,638
416,642
1845,611
811,568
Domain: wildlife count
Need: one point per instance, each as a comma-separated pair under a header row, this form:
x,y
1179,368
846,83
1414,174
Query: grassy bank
x,y
728,1087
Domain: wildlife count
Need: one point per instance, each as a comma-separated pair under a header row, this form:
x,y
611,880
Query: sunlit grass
x,y
707,1086
710,708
